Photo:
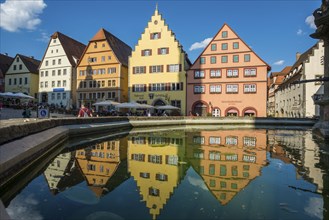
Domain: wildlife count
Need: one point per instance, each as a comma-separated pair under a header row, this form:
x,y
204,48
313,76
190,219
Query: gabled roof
x,y
121,50
31,64
5,62
268,66
72,48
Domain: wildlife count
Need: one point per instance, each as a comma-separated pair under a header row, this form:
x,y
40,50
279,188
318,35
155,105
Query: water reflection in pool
x,y
184,174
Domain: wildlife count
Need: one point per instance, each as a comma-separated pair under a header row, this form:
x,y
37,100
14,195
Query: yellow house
x,y
157,67
102,72
23,76
155,163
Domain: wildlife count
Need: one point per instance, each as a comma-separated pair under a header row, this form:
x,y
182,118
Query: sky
x,y
275,30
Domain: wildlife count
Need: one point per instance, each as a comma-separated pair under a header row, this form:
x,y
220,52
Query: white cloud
x,y
279,63
44,37
310,22
24,208
20,14
197,182
201,44
300,32
315,207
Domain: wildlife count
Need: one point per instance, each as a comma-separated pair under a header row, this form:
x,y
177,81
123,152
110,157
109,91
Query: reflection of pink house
x,y
228,78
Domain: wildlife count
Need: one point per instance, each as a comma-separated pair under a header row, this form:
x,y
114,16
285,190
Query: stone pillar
x,y
321,20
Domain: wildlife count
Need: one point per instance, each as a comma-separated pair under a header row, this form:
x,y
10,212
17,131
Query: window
x,y
111,70
155,36
139,69
231,140
25,80
215,89
53,73
42,73
157,87
318,77
46,62
52,83
224,59
235,45
199,89
154,191
198,74
161,177
15,81
174,68
176,103
58,96
224,34
54,62
249,88
198,140
20,81
224,46
155,159
222,171
215,73
214,140
249,141
202,60
139,88
249,72
58,83
92,59
64,95
232,73
59,72
156,69
103,59
213,47
46,73
232,88
17,59
64,83
235,58
20,66
46,84
176,86
59,61
14,67
247,58
52,96
163,51
64,72
147,52
212,59
41,84
9,82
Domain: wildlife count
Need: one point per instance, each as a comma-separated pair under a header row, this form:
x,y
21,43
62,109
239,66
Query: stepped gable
x,y
30,63
72,48
121,50
156,13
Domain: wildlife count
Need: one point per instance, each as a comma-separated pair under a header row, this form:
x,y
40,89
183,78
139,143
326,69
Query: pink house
x,y
227,79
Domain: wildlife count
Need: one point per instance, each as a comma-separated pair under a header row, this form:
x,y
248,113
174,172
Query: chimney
x,y
297,55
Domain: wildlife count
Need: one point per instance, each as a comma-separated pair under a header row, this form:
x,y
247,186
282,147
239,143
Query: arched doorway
x,y
158,102
200,108
250,112
216,112
232,112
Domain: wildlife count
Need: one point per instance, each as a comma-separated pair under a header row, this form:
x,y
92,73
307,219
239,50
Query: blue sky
x,y
275,30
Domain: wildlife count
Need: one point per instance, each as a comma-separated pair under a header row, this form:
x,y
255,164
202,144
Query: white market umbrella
x,y
129,105
167,107
106,103
7,94
146,106
23,96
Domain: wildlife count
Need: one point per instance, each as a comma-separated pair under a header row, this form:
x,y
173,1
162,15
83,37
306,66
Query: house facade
x,y
103,70
58,70
295,100
274,80
157,67
5,62
227,79
23,76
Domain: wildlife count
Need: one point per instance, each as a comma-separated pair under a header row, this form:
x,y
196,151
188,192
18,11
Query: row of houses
x,y
228,78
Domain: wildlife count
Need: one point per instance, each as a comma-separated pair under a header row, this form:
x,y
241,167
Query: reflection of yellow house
x,y
99,163
227,160
157,67
102,70
154,162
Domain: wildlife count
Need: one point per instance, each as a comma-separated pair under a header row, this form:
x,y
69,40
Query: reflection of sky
x,y
24,208
197,182
314,207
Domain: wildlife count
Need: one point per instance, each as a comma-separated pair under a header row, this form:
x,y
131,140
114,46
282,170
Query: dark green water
x,y
183,174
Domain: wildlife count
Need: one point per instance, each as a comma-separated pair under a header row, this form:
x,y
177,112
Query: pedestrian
x,y
84,112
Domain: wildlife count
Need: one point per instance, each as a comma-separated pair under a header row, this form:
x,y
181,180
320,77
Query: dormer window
x,y
155,36
17,59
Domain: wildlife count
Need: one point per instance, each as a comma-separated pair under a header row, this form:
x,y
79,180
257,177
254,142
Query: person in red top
x,y
84,112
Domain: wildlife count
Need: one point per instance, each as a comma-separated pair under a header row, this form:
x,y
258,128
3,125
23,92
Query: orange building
x,y
227,160
102,72
227,79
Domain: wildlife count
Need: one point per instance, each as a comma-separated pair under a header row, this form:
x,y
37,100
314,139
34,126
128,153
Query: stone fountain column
x,y
321,20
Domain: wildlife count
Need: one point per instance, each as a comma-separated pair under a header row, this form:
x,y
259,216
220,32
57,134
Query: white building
x,y
57,70
295,100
